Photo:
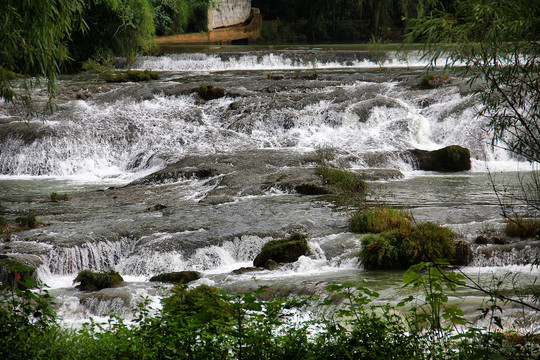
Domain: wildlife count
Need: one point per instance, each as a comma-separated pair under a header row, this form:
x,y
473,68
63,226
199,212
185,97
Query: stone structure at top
x,y
224,13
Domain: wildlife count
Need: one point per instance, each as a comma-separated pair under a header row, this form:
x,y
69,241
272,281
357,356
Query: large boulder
x,y
182,277
285,250
448,159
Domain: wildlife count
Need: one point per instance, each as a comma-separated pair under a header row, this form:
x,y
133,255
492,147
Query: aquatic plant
x,y
523,227
379,219
92,281
342,180
410,245
28,222
55,197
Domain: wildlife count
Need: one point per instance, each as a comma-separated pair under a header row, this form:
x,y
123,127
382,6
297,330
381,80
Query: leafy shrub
x,y
522,227
406,246
210,92
93,281
29,221
115,27
171,16
379,219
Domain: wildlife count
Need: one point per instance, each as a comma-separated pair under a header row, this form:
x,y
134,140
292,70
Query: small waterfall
x,y
502,255
93,255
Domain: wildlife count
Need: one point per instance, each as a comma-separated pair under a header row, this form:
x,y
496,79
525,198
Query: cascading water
x,y
120,133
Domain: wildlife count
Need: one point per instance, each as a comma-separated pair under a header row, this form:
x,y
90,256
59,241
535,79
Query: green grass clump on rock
x,y
379,219
210,92
285,250
522,227
406,246
28,222
92,281
133,76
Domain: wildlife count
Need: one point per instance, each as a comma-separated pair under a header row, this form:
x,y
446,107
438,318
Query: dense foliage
x,y
35,36
207,323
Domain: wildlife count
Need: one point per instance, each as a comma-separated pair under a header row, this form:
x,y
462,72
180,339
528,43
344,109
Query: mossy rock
x,y
182,277
210,92
285,250
133,76
452,158
93,281
407,246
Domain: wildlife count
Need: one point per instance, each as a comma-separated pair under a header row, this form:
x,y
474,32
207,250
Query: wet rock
x,y
210,92
382,174
271,265
183,277
285,250
157,207
449,159
93,281
103,301
244,270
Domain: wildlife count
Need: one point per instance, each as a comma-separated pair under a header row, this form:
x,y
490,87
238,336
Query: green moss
x,y
133,76
55,197
210,92
283,250
379,219
92,281
203,300
406,246
3,224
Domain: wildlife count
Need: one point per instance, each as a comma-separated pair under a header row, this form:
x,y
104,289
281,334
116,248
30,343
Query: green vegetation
x,y
350,188
3,224
210,92
284,250
430,81
93,281
522,227
410,245
55,197
207,323
379,219
27,222
132,76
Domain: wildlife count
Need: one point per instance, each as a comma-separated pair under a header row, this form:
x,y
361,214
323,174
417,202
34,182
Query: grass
x,y
55,197
379,219
350,187
522,227
27,222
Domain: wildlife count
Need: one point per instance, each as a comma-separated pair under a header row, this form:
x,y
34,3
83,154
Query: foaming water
x,y
275,61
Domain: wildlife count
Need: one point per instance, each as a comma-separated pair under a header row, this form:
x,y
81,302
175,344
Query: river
x,y
104,142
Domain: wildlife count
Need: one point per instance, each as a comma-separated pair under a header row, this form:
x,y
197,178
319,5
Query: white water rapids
x,y
124,132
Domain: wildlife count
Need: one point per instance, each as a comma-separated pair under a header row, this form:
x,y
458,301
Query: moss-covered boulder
x,y
449,159
285,250
182,277
407,246
132,76
93,281
210,92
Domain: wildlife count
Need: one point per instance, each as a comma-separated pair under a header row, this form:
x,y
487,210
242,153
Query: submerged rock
x,y
183,277
448,159
286,250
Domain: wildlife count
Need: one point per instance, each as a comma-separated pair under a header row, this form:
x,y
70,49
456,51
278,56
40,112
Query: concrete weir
x,y
229,22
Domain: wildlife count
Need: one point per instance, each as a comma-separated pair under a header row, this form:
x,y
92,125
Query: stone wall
x,y
228,13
